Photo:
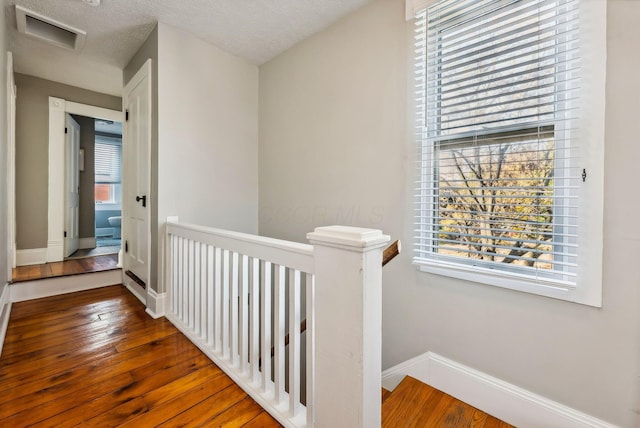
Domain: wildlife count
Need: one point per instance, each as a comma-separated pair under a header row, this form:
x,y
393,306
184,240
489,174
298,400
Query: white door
x,y
136,198
72,186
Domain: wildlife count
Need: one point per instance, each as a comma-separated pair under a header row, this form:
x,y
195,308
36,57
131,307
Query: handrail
x,y
391,252
292,254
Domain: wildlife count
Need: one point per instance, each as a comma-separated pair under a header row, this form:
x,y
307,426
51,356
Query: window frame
x,y
588,285
115,186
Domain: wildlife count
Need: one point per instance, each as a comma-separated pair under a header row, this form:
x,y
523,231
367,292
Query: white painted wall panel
x,y
207,134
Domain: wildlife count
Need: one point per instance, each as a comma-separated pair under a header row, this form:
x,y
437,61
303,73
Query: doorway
x,y
58,109
99,187
107,186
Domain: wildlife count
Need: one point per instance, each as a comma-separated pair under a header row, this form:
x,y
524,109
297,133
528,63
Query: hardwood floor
x,y
65,268
95,358
414,404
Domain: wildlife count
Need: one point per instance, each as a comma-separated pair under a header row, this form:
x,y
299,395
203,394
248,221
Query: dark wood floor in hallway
x,y
95,358
65,268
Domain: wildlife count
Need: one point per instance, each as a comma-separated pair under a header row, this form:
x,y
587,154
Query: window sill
x,y
540,287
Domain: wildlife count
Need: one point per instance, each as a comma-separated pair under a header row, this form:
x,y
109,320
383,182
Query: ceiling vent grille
x,y
49,30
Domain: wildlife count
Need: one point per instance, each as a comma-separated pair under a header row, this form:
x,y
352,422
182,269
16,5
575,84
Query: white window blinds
x,y
499,94
108,161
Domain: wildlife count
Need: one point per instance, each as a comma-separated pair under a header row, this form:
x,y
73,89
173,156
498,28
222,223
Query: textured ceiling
x,y
256,30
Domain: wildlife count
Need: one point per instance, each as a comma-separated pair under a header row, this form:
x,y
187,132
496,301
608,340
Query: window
x,y
505,157
108,169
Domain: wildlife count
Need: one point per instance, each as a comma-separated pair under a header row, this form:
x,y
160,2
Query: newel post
x,y
347,326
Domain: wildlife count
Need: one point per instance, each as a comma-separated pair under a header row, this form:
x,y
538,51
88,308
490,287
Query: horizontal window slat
x,y
506,215
469,87
498,221
521,36
498,39
523,119
516,13
559,263
542,44
501,238
542,89
499,159
428,228
500,84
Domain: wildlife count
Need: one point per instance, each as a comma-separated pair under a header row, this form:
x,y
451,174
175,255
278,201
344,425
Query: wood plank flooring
x,y
95,358
414,404
65,268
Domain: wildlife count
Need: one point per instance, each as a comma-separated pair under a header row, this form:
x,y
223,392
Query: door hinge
x,y
584,175
126,115
126,246
66,131
65,233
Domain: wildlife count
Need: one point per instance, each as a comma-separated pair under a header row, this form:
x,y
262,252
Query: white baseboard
x,y
37,289
55,251
134,288
85,243
155,304
34,256
503,400
5,312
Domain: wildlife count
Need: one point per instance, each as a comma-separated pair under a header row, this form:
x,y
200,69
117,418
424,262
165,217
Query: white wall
x,y
335,147
207,134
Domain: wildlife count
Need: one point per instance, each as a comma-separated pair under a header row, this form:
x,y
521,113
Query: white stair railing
x,y
238,297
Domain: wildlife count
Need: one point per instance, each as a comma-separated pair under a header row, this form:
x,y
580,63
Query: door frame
x,y
11,167
58,107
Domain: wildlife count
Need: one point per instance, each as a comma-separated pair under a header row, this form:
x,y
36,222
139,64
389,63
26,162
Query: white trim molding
x,y
5,312
56,180
33,256
11,168
503,400
155,303
55,251
37,289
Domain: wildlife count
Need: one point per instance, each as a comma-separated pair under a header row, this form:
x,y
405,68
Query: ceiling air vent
x,y
48,30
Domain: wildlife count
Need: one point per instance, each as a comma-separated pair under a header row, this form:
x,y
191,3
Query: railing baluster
x,y
244,315
217,321
175,273
279,327
294,342
189,284
183,279
235,272
203,291
210,295
196,287
265,328
310,290
225,303
254,320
